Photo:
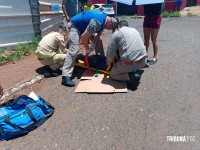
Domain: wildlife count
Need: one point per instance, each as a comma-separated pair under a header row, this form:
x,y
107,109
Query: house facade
x,y
169,5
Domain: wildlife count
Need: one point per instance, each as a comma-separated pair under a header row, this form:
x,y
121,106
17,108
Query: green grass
x,y
20,51
167,14
189,14
123,17
134,17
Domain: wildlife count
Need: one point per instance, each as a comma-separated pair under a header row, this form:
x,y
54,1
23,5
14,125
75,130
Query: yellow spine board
x,y
80,64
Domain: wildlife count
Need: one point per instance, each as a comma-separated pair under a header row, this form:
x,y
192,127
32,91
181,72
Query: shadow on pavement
x,y
42,70
46,71
146,65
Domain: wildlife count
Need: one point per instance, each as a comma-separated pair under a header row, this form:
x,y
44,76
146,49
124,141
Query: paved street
x,y
166,103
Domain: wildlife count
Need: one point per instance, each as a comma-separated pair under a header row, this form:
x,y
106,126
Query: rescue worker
x,y
128,44
51,50
83,26
89,6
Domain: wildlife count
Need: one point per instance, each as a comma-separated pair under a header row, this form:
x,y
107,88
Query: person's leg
x,y
138,66
50,62
51,69
154,35
69,63
156,22
54,66
120,71
147,32
59,60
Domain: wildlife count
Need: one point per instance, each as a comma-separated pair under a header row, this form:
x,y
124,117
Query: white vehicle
x,y
106,8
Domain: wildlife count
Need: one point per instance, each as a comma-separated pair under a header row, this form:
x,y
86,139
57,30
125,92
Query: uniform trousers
x,y
54,62
120,70
74,40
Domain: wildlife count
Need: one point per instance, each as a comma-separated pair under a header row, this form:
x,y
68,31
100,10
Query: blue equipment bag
x,y
21,115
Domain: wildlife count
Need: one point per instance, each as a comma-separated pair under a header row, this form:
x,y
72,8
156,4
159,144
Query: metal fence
x,y
51,15
15,22
21,20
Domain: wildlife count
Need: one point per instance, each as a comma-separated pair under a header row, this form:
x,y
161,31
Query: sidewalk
x,y
194,10
23,73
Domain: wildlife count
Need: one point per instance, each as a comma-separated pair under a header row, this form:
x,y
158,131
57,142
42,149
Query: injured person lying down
x,y
98,63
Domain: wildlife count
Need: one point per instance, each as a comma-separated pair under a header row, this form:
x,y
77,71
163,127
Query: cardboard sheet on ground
x,y
128,2
100,84
142,2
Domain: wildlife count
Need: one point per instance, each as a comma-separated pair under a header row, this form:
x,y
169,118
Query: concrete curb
x,y
17,87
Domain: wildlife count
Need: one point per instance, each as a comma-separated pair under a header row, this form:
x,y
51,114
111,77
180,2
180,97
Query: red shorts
x,y
152,21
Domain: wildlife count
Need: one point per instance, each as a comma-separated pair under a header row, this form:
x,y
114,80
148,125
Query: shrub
x,y
167,14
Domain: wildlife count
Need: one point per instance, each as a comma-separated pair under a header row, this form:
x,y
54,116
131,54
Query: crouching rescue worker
x,y
127,44
51,50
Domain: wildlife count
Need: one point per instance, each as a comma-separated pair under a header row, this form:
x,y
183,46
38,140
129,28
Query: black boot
x,y
134,77
66,81
51,73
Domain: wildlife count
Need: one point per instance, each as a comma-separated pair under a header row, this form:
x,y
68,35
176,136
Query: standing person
x,y
70,9
126,44
84,25
151,26
89,5
48,50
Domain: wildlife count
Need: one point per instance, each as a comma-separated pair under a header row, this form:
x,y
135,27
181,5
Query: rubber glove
x,y
89,71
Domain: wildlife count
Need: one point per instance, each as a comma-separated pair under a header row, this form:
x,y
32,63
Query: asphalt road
x,y
166,103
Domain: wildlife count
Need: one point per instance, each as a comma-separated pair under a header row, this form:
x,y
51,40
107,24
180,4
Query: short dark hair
x,y
116,24
123,23
63,28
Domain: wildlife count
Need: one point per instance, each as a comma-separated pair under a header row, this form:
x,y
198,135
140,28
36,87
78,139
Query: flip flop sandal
x,y
152,62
